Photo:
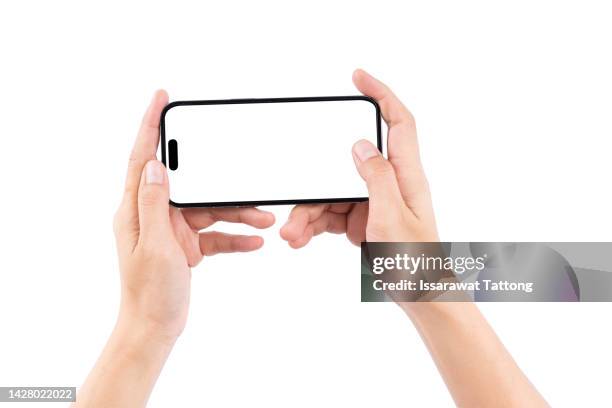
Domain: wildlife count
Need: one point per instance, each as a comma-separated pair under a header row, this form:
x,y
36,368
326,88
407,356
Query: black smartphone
x,y
243,152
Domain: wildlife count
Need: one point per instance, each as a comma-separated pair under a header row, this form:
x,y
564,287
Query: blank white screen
x,y
268,151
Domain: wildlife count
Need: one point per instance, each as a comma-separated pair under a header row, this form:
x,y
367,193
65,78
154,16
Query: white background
x,y
513,105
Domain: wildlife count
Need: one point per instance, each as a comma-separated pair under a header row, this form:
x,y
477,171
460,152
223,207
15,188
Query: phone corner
x,y
371,100
175,204
169,106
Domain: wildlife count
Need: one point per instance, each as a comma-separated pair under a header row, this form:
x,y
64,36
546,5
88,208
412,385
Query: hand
x,y
158,244
399,209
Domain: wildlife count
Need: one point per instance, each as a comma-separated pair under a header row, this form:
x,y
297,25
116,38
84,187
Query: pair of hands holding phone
x,y
158,244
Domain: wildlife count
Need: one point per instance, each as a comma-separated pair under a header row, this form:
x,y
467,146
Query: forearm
x,y
476,367
127,369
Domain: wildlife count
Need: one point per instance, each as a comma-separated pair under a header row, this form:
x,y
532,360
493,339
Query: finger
x,y
299,218
342,208
145,145
212,243
379,176
330,222
200,218
402,143
153,209
356,223
303,239
327,222
392,109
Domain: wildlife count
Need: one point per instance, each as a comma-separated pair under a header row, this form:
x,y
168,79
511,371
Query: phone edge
x,y
162,141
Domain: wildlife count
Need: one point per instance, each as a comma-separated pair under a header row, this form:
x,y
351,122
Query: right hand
x,y
400,207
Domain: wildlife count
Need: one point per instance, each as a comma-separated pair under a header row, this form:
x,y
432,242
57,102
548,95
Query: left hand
x,y
158,244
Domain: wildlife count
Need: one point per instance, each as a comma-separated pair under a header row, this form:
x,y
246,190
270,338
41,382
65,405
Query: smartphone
x,y
248,152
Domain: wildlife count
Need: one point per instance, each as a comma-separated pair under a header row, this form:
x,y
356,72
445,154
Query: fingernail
x,y
365,150
154,172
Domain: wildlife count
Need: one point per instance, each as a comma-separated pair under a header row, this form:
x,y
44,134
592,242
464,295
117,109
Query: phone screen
x,y
266,151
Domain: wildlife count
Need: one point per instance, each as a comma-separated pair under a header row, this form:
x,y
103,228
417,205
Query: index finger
x,y
145,145
402,143
393,110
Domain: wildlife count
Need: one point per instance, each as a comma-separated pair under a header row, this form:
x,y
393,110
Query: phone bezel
x,y
267,100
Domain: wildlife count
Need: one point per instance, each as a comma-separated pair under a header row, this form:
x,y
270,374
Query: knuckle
x,y
210,248
148,197
133,165
134,159
118,220
406,127
409,120
379,169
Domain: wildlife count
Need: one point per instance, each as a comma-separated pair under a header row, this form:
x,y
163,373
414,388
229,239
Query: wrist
x,y
142,334
160,323
439,312
128,366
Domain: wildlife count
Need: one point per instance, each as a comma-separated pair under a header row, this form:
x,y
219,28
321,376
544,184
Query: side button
x,y
172,154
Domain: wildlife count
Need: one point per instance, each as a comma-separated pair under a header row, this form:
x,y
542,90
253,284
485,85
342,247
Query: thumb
x,y
378,174
153,196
